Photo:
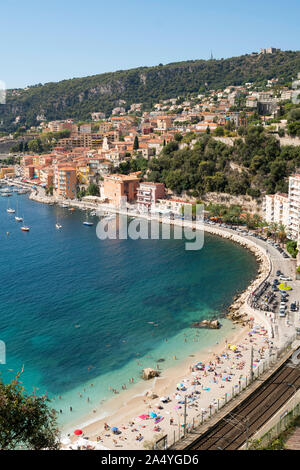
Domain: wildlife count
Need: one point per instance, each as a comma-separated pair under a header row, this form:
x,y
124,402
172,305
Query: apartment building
x,y
118,188
148,195
294,198
277,209
285,208
66,182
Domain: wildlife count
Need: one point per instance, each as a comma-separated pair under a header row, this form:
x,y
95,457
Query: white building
x,y
294,197
285,208
277,209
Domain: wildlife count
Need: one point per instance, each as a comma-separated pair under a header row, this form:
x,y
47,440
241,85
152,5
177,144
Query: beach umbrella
x,y
114,429
78,432
284,286
153,415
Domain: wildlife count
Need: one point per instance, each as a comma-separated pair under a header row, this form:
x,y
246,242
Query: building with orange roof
x,y
118,188
65,181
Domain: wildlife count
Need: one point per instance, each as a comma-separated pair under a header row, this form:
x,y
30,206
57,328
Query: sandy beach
x,y
204,379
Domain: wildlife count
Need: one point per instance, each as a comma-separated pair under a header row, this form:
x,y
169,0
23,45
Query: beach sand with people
x,y
138,418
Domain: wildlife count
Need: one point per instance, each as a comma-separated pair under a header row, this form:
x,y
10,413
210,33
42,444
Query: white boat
x,y
17,218
10,211
88,224
24,228
58,226
64,206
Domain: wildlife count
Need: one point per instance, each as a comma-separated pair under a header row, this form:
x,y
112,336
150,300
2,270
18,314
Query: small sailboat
x,y
10,210
58,226
17,218
87,223
24,228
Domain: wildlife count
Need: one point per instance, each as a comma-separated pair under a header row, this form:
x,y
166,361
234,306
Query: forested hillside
x,y
79,97
255,165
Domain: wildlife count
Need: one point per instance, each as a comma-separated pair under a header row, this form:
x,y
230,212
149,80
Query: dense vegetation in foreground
x,y
26,421
79,97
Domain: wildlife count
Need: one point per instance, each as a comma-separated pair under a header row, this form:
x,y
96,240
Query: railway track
x,y
231,432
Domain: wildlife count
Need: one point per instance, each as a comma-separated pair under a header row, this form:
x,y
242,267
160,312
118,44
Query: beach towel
x,y
158,420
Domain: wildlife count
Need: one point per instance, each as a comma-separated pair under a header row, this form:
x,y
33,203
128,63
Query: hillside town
x,y
85,157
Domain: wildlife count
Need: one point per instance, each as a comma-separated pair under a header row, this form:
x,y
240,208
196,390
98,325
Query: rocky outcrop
x,y
210,324
149,374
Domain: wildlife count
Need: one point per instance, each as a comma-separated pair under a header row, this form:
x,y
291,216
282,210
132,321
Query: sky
x,y
44,42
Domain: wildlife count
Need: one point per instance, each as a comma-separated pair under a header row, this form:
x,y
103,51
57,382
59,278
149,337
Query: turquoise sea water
x,y
75,310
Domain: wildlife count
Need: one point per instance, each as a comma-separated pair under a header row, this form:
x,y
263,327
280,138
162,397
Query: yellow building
x,y
8,171
83,173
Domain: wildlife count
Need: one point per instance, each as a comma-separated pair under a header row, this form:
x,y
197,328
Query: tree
x,y
282,233
26,420
93,189
219,131
291,247
136,144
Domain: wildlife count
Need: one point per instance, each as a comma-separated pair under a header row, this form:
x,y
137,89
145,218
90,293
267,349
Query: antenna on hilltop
x,y
211,56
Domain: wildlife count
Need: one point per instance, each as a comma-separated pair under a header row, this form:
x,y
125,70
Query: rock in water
x,y
149,374
210,324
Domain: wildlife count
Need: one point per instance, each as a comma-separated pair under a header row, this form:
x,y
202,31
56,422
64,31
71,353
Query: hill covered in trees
x,y
255,165
79,97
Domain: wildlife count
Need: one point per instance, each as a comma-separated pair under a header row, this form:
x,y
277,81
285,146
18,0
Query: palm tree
x,y
274,230
256,220
282,233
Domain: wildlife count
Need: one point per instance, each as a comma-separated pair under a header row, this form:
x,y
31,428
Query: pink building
x,y
148,194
